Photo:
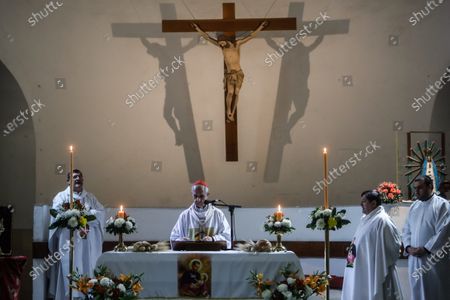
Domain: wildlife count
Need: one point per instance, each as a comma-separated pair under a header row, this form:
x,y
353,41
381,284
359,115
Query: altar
x,y
229,270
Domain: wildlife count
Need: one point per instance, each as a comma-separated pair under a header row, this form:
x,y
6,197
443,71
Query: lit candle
x,y
279,214
121,212
71,176
325,177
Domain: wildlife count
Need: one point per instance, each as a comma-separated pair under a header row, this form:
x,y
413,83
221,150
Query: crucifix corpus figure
x,y
234,76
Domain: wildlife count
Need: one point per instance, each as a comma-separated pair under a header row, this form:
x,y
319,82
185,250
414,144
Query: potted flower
x,y
389,192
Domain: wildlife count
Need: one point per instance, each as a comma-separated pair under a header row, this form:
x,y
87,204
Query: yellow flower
x,y
332,222
260,276
124,278
83,221
137,287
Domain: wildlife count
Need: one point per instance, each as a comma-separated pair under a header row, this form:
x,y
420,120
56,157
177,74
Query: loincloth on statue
x,y
233,77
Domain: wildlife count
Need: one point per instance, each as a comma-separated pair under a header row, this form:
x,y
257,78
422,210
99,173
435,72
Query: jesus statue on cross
x,y
233,76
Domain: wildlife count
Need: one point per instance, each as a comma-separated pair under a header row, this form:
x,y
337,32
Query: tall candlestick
x,y
71,176
327,232
121,212
325,177
72,245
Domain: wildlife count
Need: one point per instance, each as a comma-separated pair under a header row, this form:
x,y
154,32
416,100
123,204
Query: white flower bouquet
x,y
277,223
327,218
105,285
76,217
116,225
291,287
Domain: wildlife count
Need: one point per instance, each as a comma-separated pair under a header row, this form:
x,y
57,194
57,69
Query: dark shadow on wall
x,y
293,92
440,118
18,168
177,103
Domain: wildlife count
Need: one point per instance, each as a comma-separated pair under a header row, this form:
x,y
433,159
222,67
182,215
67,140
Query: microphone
x,y
212,201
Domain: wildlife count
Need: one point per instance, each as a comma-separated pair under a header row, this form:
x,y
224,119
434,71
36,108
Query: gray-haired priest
x,y
201,222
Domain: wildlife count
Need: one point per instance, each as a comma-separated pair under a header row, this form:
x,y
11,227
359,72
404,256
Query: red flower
x,y
390,196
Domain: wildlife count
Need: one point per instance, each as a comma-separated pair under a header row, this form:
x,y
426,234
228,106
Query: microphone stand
x,y
231,208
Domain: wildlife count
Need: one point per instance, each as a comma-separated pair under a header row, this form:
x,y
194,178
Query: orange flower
x,y
393,190
83,285
137,287
124,278
322,288
390,196
267,282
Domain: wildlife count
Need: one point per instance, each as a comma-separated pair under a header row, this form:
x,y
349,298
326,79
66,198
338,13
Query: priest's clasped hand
x,y
419,251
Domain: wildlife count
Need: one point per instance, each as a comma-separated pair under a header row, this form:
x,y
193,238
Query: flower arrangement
x,y
105,285
389,192
290,287
328,218
125,225
75,218
277,223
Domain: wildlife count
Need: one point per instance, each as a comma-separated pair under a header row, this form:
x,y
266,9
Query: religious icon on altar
x,y
426,158
351,255
194,276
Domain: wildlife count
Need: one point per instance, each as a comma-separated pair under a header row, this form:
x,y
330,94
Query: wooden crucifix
x,y
229,25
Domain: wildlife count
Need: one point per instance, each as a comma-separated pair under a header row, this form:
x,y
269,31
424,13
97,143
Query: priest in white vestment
x,y
201,222
371,272
86,250
426,237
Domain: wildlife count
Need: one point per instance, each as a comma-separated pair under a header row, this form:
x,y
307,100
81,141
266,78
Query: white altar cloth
x,y
229,270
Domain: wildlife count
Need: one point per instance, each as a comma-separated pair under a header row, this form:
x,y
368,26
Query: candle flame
x,y
324,150
121,208
71,148
279,207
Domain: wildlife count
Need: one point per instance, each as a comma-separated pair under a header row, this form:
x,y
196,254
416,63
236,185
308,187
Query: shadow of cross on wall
x,y
177,103
293,88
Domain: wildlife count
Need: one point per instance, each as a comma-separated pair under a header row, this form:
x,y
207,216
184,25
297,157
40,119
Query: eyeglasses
x,y
199,196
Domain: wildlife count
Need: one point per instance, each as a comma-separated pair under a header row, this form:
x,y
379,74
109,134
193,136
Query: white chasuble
x,y
86,251
371,272
195,223
428,226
